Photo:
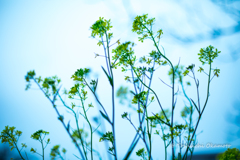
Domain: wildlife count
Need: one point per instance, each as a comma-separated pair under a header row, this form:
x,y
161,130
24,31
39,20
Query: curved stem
x,y
152,92
173,104
191,111
145,108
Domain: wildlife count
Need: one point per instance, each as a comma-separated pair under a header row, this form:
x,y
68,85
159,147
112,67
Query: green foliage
x,y
216,72
40,136
108,76
178,73
28,77
46,84
162,123
230,154
141,97
76,134
100,27
140,26
185,112
207,55
55,152
142,153
124,54
122,94
108,136
124,115
10,135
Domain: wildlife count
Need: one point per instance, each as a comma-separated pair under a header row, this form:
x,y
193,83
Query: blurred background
x,y
52,37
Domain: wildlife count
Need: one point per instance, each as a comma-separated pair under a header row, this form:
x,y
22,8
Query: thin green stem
x,y
173,104
17,148
41,140
26,155
90,126
145,108
64,125
197,85
164,141
106,56
61,156
152,92
96,98
106,144
149,137
80,135
149,131
207,88
38,154
113,103
78,129
201,112
191,111
135,139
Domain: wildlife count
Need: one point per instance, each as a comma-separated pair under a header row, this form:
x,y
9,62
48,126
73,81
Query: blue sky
x,y
53,38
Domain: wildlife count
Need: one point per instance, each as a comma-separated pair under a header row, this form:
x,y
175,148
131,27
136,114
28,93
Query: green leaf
x,y
190,67
32,150
105,117
185,72
124,115
60,118
216,72
109,78
95,86
200,69
90,105
68,126
140,152
64,150
195,105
